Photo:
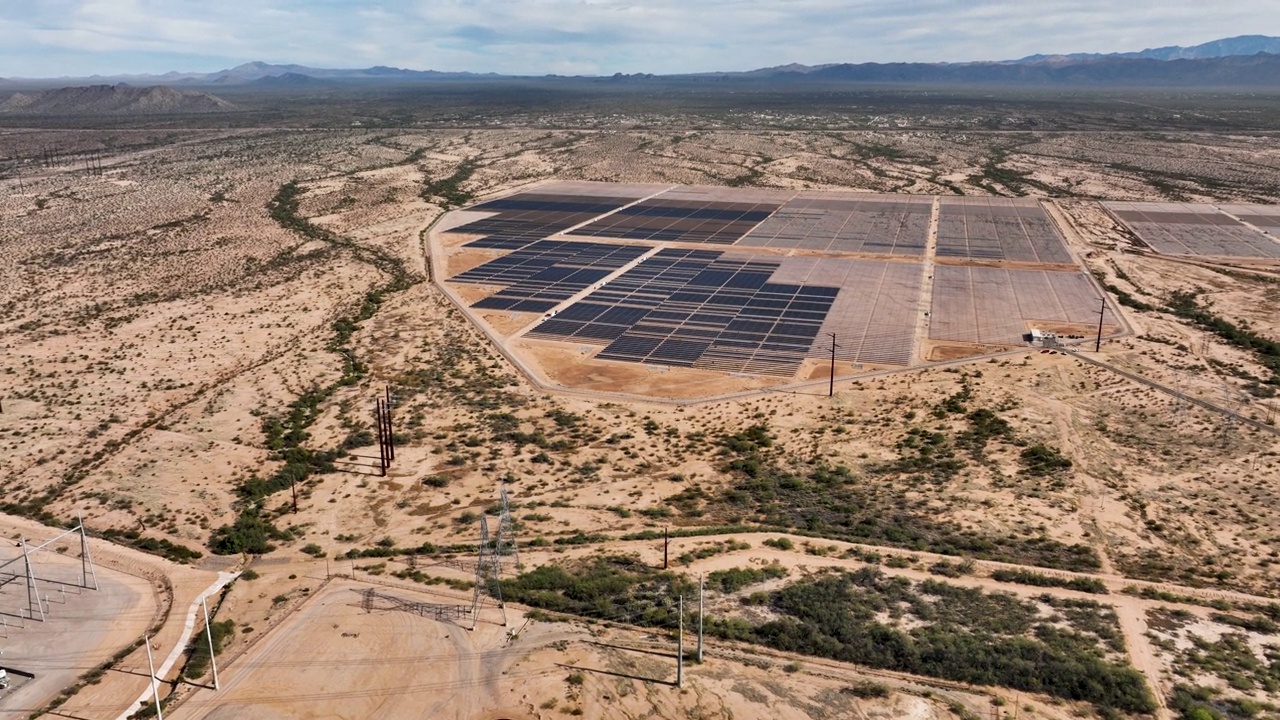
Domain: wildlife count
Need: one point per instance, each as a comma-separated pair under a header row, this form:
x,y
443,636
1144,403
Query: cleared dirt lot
x,y
332,658
82,628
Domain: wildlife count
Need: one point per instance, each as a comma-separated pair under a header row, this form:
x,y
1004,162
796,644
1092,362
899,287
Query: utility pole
x,y
680,647
666,544
391,442
33,591
155,692
702,588
831,389
208,633
86,560
1101,313
383,460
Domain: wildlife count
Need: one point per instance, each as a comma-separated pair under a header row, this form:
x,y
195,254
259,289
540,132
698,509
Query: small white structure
x,y
1040,337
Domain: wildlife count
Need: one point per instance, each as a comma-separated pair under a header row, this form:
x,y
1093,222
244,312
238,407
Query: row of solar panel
x,y
718,235
707,212
540,203
547,273
533,216
501,242
676,306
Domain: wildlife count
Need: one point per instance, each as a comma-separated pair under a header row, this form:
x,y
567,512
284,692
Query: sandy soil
x,y
154,319
394,663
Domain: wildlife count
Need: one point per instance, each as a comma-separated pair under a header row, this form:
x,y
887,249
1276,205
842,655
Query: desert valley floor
x,y
196,329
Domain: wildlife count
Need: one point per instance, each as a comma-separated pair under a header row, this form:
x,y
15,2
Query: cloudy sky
x,y
48,38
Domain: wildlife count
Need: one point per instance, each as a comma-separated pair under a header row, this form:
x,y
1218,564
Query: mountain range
x,y
1247,60
1226,47
113,100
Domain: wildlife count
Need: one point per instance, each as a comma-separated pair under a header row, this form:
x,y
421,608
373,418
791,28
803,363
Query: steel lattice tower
x,y
488,570
506,543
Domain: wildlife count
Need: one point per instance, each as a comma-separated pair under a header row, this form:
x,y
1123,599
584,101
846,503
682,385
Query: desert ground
x,y
200,331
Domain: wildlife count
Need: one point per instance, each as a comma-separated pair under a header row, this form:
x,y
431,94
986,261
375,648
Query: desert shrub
x,y
198,664
972,637
867,689
1040,460
1029,577
780,543
735,579
250,534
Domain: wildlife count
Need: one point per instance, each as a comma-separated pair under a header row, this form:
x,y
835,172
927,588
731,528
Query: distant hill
x,y
1226,47
113,100
260,73
1260,70
1244,61
288,80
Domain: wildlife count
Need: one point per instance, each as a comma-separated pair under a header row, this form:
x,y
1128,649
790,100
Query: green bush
x,y
973,637
780,543
867,689
1028,577
198,663
735,579
250,534
1040,460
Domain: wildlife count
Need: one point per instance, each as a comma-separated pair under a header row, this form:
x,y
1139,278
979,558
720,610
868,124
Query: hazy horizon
x,y
80,38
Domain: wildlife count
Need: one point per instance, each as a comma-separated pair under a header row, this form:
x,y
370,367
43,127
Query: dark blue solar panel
x,y
557,328
600,332
631,345
622,316
534,306
583,311
544,274
499,242
681,308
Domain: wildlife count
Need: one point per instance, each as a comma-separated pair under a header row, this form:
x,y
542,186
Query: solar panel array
x,y
874,316
1191,229
527,217
769,311
997,305
999,229
546,273
884,224
677,220
699,308
1264,217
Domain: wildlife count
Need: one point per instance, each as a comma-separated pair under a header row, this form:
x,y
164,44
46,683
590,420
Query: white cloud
x,y
41,37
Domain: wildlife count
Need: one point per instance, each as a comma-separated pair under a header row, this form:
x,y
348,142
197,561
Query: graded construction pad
x,y
758,282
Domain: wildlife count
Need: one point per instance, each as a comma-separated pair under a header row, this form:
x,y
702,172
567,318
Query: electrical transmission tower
x,y
506,544
488,570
